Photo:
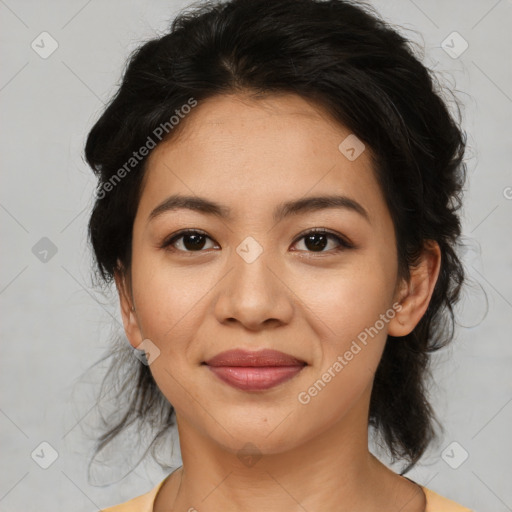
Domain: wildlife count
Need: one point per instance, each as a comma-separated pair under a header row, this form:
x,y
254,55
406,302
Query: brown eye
x,y
187,241
318,240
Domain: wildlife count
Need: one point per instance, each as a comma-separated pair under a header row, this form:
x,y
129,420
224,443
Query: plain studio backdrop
x,y
61,61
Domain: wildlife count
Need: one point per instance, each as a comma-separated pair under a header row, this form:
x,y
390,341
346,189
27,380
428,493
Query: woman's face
x,y
256,277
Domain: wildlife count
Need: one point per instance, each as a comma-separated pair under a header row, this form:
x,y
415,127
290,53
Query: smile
x,y
254,371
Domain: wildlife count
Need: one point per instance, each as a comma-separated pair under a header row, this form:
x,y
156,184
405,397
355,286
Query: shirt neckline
x,y
151,495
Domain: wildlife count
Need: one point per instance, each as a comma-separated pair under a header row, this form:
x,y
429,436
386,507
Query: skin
x,y
251,154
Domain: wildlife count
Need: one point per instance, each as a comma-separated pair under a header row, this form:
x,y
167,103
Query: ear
x,y
130,322
414,294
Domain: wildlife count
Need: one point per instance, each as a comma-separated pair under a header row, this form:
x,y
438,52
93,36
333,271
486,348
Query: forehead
x,y
285,119
259,150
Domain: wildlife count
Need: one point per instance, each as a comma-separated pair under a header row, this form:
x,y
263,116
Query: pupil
x,y
196,242
316,244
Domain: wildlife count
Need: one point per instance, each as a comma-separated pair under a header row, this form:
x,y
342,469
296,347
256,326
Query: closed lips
x,y
254,371
262,358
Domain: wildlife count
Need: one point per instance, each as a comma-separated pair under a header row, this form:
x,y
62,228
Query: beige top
x,y
144,503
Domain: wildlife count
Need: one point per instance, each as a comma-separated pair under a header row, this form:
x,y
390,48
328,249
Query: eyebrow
x,y
283,210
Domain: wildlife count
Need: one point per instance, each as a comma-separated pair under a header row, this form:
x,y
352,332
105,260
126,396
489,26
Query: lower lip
x,y
251,378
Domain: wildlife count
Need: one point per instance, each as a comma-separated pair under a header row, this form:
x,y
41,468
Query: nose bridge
x,y
253,293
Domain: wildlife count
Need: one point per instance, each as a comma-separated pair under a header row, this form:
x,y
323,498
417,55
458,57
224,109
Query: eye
x,y
190,240
316,240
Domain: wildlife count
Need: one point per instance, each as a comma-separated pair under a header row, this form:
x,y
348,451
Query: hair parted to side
x,y
342,56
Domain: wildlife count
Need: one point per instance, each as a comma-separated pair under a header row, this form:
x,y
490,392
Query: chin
x,y
265,434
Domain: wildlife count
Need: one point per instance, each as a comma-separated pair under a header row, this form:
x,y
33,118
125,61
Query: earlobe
x,y
414,295
128,313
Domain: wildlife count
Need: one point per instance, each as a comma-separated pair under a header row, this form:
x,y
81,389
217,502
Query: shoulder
x,y
143,503
438,503
138,504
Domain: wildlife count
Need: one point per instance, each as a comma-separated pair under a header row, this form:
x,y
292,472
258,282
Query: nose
x,y
254,294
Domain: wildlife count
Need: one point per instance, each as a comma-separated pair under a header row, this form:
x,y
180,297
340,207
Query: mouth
x,y
254,371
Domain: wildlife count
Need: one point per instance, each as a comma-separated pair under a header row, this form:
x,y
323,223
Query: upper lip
x,y
266,357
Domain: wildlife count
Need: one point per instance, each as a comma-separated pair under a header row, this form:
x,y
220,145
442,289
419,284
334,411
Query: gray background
x,y
55,324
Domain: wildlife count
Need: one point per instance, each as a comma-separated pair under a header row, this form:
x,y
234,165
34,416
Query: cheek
x,y
169,302
351,299
350,351
168,299
352,310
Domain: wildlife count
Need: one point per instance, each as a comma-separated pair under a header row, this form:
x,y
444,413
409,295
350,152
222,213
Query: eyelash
x,y
343,242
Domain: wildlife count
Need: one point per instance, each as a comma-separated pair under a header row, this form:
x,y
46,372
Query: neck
x,y
331,471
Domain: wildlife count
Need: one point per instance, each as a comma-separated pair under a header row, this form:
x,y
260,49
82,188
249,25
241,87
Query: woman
x,y
277,203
